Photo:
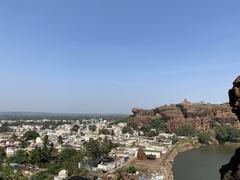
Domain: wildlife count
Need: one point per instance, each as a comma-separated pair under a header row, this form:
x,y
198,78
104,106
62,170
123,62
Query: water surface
x,y
202,163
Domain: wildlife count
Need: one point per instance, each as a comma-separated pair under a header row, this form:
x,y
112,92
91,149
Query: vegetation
x,y
174,139
159,124
104,131
47,158
37,156
23,143
96,149
2,154
60,140
7,173
5,128
186,130
67,159
227,133
128,120
75,128
92,127
129,169
21,156
30,135
127,129
204,137
148,132
14,137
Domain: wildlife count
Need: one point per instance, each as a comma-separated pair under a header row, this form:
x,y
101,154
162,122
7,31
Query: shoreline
x,y
168,159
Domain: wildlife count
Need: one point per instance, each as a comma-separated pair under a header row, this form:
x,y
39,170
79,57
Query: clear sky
x,y
105,56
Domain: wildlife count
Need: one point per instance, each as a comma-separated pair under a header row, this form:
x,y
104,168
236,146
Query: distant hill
x,y
53,116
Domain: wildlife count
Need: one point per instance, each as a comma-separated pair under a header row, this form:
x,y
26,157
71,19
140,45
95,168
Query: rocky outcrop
x,y
199,115
231,170
234,97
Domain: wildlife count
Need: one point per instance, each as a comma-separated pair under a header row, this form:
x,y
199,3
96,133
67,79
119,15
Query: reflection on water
x,y
202,163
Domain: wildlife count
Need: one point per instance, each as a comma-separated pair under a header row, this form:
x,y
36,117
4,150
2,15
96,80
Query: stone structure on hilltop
x,y
199,115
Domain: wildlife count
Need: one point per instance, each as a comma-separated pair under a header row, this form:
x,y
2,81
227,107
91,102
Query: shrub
x,y
186,130
30,135
227,133
204,137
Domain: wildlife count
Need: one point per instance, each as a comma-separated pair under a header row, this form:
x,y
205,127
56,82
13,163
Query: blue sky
x,y
109,56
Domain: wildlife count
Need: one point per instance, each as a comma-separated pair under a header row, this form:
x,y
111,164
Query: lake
x,y
202,163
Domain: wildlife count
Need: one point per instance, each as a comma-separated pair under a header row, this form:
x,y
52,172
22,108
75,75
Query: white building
x,y
10,151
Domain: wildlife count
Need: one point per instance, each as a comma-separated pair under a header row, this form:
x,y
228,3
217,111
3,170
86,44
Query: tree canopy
x,y
127,129
5,128
30,135
75,128
227,133
92,127
186,130
104,131
204,137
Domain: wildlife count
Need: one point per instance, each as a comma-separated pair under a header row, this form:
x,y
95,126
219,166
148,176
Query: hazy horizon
x,y
107,113
108,57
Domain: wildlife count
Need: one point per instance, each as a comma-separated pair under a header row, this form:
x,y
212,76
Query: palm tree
x,y
60,140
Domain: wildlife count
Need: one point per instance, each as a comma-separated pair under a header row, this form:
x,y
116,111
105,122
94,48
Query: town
x,y
139,146
126,145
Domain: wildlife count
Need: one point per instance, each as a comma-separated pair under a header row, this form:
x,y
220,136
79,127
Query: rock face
x,y
199,115
231,170
234,97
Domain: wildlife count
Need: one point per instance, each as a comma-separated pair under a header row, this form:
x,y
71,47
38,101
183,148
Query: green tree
x,y
2,154
66,154
104,131
30,135
186,130
112,132
21,157
43,175
23,143
204,137
93,149
75,128
35,156
106,146
60,140
227,133
5,128
127,129
8,173
92,127
68,159
46,151
159,124
174,139
131,170
82,134
14,137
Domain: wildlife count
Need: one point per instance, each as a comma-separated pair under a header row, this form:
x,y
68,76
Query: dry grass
x,y
146,165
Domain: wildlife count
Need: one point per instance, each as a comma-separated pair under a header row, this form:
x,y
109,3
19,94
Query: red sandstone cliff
x,y
199,115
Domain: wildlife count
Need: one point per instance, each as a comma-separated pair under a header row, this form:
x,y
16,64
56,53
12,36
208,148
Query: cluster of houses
x,y
132,145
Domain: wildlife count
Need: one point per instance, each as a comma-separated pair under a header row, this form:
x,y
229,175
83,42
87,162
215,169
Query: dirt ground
x,y
149,165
